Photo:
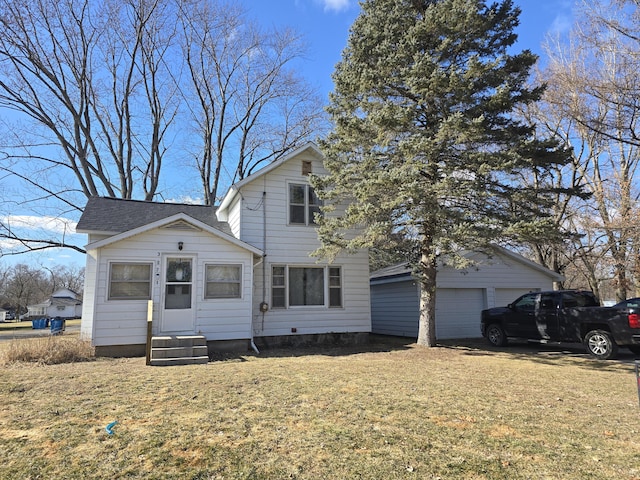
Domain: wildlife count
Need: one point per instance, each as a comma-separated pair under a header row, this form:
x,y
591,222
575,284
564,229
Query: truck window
x,y
526,302
578,299
547,302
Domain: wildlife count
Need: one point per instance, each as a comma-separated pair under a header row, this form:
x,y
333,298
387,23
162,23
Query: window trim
x,y
239,282
110,297
326,287
308,219
338,287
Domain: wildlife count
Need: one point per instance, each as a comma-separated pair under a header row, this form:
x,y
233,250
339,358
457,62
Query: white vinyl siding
x,y
265,203
122,323
505,296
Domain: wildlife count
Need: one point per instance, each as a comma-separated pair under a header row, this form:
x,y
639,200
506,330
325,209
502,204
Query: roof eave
x,y
234,189
167,220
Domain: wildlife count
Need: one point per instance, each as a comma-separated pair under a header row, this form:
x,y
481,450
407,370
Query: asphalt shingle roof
x,y
116,215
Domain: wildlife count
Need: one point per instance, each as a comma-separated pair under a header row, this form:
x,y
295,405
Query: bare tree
x,y
593,97
250,105
75,68
62,276
95,102
25,285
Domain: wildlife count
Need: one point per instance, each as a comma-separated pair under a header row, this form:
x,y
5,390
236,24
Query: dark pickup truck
x,y
566,316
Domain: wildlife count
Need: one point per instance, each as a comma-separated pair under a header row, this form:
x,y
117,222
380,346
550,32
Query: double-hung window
x,y
293,286
223,281
130,281
304,204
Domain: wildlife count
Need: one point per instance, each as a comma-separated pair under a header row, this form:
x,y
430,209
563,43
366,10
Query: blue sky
x,y
325,26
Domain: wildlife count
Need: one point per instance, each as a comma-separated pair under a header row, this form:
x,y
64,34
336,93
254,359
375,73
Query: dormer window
x,y
303,205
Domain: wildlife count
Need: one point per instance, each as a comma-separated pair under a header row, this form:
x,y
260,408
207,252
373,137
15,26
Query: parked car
x,y
566,316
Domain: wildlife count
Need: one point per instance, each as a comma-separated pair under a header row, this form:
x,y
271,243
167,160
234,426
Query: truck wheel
x,y
600,344
496,335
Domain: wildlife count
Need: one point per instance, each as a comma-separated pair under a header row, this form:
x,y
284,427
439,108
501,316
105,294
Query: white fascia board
x,y
233,190
168,220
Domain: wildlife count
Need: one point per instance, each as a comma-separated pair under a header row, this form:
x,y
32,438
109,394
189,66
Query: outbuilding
x,y
63,303
494,279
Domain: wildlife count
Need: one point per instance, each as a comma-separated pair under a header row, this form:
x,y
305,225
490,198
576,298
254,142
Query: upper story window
x,y
303,204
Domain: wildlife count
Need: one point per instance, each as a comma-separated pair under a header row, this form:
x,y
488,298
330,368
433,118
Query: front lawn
x,y
400,412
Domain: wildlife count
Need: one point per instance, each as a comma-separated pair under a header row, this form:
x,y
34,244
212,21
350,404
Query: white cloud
x,y
188,199
6,244
32,222
335,5
561,24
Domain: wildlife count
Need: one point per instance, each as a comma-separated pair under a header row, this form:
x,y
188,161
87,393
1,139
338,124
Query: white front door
x,y
177,308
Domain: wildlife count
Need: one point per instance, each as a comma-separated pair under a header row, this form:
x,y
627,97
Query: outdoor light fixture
x,y
180,245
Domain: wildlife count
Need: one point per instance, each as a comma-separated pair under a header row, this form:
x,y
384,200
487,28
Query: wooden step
x,y
179,350
168,362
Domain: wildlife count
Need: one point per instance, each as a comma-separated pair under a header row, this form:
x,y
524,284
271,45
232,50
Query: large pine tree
x,y
424,145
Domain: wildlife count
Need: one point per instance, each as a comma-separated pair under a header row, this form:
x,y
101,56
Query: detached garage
x,y
494,280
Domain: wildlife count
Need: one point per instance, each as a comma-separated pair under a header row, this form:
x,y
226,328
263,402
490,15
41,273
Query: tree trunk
x,y
427,325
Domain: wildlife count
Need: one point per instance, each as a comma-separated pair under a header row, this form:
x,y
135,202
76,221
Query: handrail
x,y
149,330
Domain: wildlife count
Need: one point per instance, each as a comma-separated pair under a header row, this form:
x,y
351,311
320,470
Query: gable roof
x,y
108,215
173,219
233,190
403,269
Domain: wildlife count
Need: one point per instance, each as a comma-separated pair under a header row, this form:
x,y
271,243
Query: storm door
x,y
177,310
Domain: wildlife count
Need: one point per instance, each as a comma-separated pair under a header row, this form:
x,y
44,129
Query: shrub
x,y
48,350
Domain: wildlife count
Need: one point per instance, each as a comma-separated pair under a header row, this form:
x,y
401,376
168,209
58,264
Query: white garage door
x,y
505,296
458,312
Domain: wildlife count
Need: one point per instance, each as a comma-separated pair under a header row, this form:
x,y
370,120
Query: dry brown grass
x,y
46,350
403,412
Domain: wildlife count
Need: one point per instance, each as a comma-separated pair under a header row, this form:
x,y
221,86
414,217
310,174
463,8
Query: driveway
x,y
72,328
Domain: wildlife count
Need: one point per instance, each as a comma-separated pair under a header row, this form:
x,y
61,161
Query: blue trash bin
x,y
57,325
38,323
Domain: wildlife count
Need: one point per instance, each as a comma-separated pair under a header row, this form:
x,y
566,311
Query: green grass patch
x,y
403,413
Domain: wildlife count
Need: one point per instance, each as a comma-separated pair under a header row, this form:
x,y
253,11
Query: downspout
x,y
264,306
253,345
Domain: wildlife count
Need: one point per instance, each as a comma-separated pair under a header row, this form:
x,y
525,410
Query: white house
x,y
461,295
63,303
240,274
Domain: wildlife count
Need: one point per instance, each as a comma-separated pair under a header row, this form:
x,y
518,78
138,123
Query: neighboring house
x,y
3,314
236,274
461,295
63,303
